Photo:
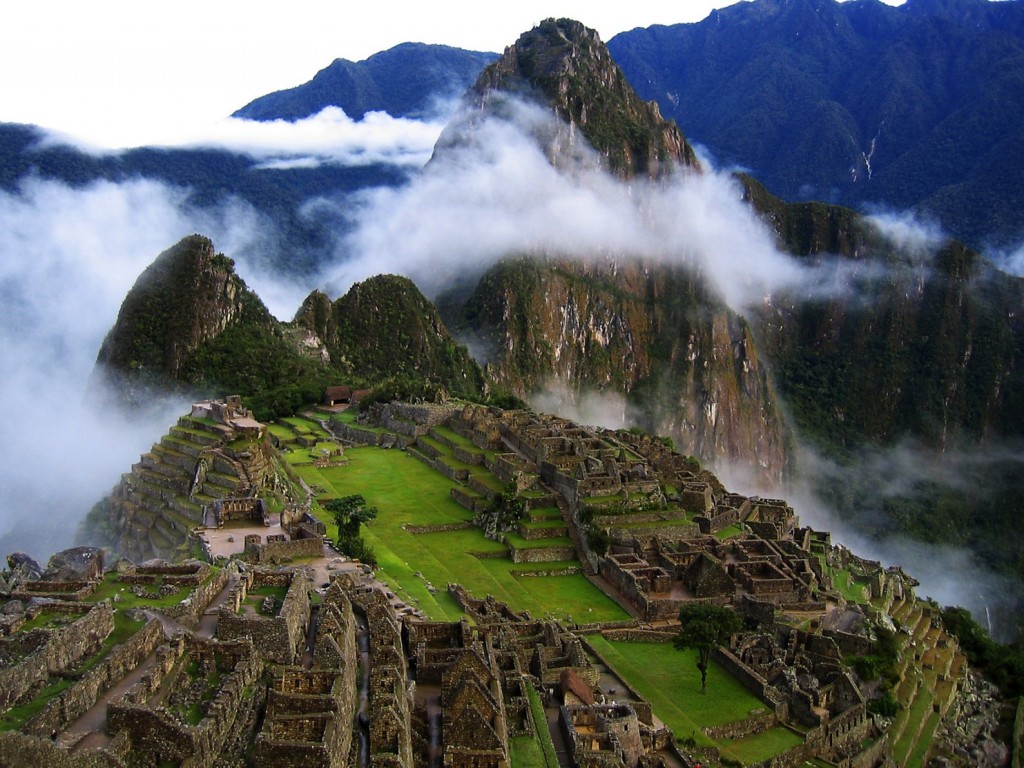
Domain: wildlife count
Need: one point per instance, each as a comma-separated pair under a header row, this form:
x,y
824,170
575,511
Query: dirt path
x,y
87,732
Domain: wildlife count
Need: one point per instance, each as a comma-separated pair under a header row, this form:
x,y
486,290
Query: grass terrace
x,y
728,532
254,598
761,746
669,679
408,493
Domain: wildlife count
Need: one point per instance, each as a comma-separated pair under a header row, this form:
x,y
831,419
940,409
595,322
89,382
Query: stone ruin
x,y
254,670
277,630
310,708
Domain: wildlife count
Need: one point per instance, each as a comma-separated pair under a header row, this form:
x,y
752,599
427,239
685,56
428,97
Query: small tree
x,y
349,512
704,628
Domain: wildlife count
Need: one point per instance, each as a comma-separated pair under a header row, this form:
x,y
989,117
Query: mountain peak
x,y
563,64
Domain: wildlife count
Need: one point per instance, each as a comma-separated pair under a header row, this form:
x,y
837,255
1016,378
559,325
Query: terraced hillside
x,y
200,460
931,665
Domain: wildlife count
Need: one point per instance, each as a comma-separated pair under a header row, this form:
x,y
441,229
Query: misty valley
x,y
517,429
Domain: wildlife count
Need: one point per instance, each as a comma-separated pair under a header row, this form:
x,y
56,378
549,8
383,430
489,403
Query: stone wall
x,y
167,573
278,638
423,452
277,552
473,502
717,520
18,750
635,635
750,680
157,736
190,610
63,590
58,650
80,697
543,554
749,726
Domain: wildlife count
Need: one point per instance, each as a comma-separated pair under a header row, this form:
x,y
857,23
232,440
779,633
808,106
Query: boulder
x,y
75,564
24,566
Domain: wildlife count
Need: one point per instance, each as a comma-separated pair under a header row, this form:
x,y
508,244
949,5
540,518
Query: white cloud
x,y
329,137
67,259
498,194
908,232
1009,260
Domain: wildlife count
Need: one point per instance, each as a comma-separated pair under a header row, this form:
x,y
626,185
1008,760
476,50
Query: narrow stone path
x,y
87,732
558,738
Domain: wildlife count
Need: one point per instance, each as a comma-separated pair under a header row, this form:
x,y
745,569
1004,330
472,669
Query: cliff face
x,y
929,346
565,67
687,366
185,298
651,332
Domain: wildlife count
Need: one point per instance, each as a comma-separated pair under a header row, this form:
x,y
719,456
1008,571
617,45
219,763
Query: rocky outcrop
x,y
384,327
688,365
564,66
188,296
925,344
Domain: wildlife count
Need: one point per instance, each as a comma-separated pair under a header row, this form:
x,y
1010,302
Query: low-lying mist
x,y
494,192
68,257
867,499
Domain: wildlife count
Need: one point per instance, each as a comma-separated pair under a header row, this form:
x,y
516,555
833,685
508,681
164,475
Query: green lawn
x,y
762,746
407,492
525,752
670,681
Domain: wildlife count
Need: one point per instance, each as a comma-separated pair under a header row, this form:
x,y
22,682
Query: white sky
x,y
123,72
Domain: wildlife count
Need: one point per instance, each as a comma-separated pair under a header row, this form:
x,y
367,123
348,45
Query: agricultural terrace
x,y
670,681
420,565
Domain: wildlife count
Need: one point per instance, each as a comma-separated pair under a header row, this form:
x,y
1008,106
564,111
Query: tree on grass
x,y
349,512
704,628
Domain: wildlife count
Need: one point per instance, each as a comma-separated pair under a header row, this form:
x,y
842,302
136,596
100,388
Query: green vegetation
x,y
882,662
349,513
758,747
669,680
1002,664
542,734
504,512
408,493
704,627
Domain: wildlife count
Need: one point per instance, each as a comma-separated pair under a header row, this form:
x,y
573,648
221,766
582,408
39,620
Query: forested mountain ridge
x,y
911,107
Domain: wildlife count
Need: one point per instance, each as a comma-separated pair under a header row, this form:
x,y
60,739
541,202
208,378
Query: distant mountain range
x,y
919,106
405,81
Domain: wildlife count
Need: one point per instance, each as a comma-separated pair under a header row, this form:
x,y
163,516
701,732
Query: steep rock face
x,y
651,332
929,346
385,327
688,366
565,66
189,295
